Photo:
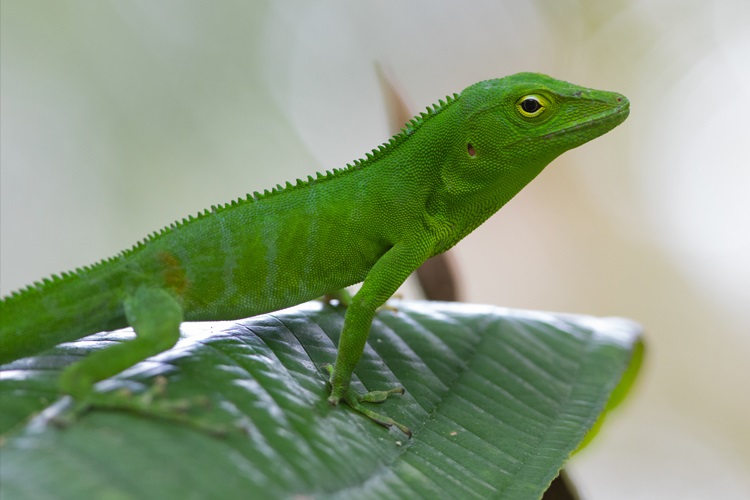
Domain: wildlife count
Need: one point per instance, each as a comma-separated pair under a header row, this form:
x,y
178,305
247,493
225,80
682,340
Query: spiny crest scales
x,y
409,128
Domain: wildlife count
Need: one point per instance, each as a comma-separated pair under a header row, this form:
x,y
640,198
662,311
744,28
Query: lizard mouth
x,y
611,117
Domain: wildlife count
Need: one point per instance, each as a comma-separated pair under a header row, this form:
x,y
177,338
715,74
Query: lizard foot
x,y
149,403
354,401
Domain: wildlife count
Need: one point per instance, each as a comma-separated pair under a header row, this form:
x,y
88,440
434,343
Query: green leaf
x,y
497,400
627,381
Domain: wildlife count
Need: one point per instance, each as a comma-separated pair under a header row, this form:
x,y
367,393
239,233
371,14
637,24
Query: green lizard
x,y
375,221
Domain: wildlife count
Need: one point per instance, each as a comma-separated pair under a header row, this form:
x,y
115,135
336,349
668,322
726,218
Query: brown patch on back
x,y
173,274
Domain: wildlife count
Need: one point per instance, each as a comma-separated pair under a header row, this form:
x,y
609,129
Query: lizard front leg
x,y
388,273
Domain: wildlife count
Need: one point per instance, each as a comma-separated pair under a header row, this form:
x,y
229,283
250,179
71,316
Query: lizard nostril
x,y
471,150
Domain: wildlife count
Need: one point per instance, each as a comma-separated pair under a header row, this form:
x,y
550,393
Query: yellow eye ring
x,y
530,106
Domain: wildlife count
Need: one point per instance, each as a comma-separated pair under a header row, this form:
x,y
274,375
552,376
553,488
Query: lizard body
x,y
375,221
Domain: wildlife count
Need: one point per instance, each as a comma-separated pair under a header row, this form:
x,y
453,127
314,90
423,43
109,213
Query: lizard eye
x,y
530,106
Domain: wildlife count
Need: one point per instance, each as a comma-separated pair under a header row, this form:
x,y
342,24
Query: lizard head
x,y
514,126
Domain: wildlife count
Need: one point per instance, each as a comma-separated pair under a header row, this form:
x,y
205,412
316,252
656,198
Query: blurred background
x,y
117,118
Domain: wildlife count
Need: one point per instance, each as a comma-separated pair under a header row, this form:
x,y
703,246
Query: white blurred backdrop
x,y
117,118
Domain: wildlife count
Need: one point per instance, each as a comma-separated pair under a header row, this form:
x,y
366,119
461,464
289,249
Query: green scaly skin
x,y
375,221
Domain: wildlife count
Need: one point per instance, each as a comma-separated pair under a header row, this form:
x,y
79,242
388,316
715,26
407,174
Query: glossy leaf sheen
x,y
497,400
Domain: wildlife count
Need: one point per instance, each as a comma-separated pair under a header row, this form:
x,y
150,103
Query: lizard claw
x,y
354,401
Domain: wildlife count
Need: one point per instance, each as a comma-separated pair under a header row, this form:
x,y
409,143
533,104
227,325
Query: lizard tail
x,y
60,309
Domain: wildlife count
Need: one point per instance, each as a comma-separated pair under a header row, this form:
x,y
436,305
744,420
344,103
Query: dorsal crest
x,y
381,151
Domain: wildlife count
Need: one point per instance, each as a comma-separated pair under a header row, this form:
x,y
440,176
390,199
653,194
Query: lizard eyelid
x,y
530,106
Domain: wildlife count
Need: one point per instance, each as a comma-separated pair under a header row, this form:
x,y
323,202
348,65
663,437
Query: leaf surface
x,y
497,399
